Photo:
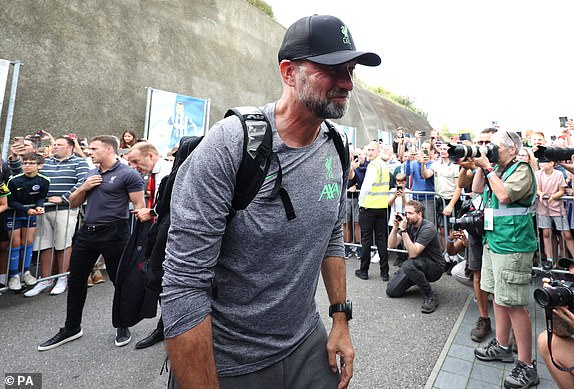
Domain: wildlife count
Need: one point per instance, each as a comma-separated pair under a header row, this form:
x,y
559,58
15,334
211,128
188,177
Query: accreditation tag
x,y
488,219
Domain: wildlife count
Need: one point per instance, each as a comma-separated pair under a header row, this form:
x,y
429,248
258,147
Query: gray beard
x,y
322,108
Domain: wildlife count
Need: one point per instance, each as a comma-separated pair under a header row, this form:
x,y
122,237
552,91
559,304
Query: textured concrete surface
x,y
86,63
396,345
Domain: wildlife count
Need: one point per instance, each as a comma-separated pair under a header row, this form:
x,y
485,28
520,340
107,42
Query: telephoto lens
x,y
554,154
460,153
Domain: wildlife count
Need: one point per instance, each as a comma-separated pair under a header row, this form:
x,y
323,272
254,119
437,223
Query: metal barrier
x,y
6,246
567,207
353,209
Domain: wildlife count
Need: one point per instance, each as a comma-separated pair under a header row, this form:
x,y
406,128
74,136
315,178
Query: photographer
x,y
562,343
474,258
509,190
425,264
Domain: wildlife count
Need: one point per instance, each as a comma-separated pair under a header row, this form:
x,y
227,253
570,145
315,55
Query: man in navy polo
x,y
108,189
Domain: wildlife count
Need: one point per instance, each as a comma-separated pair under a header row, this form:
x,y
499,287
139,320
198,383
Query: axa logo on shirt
x,y
330,190
112,179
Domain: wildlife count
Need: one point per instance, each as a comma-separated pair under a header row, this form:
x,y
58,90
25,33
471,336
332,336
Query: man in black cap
x,y
238,299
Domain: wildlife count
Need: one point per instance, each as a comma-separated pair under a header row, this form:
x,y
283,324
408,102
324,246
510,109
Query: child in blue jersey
x,y
28,192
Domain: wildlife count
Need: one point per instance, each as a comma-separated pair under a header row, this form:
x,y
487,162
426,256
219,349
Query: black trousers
x,y
420,272
374,221
87,245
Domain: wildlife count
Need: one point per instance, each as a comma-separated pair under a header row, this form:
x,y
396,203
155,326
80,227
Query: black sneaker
x,y
385,276
522,376
63,336
362,274
430,303
493,352
123,336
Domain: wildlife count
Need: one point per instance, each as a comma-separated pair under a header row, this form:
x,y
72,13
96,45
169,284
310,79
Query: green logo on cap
x,y
345,33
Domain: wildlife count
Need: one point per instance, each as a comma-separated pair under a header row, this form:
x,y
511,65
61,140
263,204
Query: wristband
x,y
490,174
487,171
474,171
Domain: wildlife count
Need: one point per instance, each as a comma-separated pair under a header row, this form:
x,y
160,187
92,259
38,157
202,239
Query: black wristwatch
x,y
347,308
402,231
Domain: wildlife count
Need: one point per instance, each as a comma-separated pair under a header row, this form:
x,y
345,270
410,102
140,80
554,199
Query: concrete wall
x,y
86,63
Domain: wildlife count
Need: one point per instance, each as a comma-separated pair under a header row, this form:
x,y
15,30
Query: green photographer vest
x,y
513,227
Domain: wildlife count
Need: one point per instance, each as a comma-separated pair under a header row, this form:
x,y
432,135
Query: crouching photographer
x,y
425,264
556,343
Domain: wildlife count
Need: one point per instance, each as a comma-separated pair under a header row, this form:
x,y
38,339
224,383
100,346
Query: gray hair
x,y
509,139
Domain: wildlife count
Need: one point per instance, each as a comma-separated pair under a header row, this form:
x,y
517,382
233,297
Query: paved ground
x,y
397,346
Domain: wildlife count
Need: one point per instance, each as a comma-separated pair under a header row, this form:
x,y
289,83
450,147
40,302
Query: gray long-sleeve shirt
x,y
265,268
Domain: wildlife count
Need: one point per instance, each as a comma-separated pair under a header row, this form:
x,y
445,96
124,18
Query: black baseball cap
x,y
325,40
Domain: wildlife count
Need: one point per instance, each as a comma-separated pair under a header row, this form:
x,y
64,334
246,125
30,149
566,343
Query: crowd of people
x,y
410,194
254,320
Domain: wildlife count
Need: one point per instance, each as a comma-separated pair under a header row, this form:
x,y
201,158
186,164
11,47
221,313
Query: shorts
x,y
507,276
474,251
19,222
56,229
352,210
560,222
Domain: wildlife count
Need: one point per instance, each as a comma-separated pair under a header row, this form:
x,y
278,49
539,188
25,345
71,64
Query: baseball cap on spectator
x,y
325,40
565,262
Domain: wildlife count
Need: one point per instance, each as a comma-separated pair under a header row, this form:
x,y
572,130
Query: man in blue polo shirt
x,y
413,167
107,190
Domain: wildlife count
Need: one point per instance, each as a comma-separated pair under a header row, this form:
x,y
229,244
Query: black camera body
x,y
560,293
460,153
400,216
554,154
470,219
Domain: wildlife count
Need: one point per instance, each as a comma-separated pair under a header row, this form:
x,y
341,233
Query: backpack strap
x,y
342,146
257,156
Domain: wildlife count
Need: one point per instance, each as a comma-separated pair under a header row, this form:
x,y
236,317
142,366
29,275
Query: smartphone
x,y
18,139
72,136
426,152
563,120
40,132
465,136
423,133
355,158
408,135
553,138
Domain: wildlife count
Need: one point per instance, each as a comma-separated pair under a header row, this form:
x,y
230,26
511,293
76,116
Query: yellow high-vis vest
x,y
378,196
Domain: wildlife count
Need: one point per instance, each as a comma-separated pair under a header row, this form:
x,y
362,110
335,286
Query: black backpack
x,y
257,156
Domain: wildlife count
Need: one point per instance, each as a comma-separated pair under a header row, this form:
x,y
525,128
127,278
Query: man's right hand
x,y
92,182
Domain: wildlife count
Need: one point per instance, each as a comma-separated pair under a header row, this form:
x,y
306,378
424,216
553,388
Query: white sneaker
x,y
39,288
375,258
14,283
28,278
61,286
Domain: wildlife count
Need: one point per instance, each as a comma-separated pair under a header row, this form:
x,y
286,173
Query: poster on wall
x,y
172,116
4,69
351,133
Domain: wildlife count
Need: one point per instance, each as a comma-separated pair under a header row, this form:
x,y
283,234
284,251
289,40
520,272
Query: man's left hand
x,y
339,343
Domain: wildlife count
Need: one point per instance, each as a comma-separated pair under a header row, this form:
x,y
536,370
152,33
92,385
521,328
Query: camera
x,y
400,216
470,219
554,154
472,222
560,293
563,120
459,153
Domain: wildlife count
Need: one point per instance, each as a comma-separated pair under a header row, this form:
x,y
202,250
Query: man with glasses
x,y
238,299
509,189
